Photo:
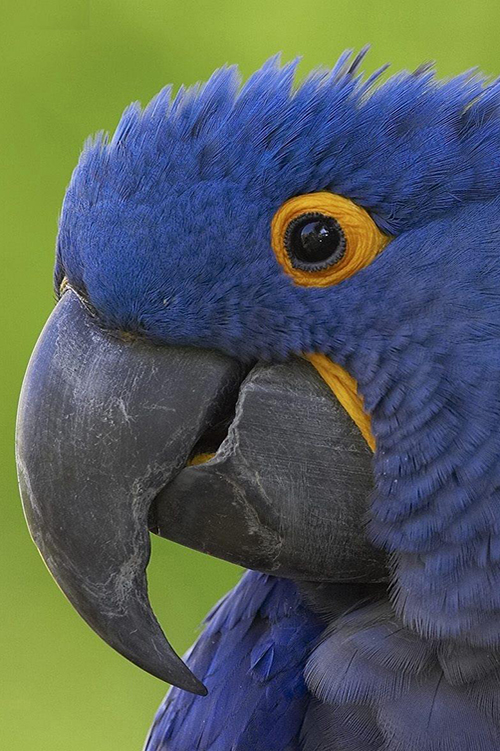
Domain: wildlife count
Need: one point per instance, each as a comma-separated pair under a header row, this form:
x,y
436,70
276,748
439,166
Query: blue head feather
x,y
166,227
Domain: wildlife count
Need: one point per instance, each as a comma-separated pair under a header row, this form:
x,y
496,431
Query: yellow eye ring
x,y
363,239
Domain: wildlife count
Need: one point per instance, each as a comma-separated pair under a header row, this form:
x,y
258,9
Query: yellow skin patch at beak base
x,y
363,242
200,459
345,388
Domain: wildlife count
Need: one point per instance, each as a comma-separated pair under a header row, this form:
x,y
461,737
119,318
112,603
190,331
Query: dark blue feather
x,y
379,686
345,728
251,657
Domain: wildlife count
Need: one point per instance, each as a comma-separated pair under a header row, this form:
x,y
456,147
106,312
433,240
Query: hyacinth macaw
x,y
277,340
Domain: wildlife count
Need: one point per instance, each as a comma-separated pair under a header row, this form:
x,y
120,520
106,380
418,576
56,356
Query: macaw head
x,y
224,262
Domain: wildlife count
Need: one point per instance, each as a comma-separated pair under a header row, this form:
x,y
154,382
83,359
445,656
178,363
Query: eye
x,y
314,241
322,238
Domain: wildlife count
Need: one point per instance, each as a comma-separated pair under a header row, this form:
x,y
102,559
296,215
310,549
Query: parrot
x,y
276,340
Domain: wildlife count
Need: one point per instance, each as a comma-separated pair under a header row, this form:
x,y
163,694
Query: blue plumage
x,y
184,193
166,227
251,655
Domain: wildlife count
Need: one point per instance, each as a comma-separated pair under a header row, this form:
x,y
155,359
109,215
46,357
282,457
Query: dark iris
x,y
314,241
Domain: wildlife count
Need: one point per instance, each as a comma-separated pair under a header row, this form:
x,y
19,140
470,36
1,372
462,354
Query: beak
x,y
287,492
103,426
106,428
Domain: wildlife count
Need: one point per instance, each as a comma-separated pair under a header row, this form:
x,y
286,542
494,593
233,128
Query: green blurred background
x,y
67,69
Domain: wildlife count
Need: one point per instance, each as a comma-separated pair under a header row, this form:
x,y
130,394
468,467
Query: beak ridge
x,y
102,426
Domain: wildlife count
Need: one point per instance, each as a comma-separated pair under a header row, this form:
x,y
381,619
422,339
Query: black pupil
x,y
316,240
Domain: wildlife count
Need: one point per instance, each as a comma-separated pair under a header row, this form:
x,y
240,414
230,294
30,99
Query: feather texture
x,y
251,657
388,689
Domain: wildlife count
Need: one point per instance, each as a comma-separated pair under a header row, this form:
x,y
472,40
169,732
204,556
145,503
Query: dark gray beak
x,y
105,430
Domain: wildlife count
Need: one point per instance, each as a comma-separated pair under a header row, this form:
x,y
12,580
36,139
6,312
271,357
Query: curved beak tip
x,y
105,431
102,426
